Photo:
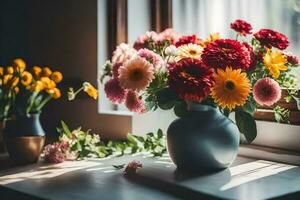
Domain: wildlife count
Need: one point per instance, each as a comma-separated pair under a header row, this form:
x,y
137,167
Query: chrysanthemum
x,y
231,89
190,79
270,38
136,74
170,35
189,51
134,103
123,53
193,39
150,56
241,27
114,91
266,91
226,52
275,62
292,59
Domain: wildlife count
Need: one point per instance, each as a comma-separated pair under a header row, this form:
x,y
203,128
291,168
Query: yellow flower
x,y
20,64
14,82
37,86
55,93
56,76
1,71
48,83
26,78
6,78
90,90
231,89
212,37
189,51
46,71
275,62
10,70
17,90
36,71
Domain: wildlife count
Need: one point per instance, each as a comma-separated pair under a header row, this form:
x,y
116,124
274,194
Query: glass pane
x,y
203,17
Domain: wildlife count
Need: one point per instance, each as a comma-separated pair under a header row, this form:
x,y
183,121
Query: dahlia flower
x,y
231,89
114,91
291,58
187,40
190,79
136,74
226,52
134,103
241,27
123,53
132,166
270,38
189,51
266,91
155,59
55,153
275,62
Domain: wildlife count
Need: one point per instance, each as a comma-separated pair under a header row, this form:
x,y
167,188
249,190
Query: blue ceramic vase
x,y
24,138
203,140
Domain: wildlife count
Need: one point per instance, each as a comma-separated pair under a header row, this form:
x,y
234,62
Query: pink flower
x,y
56,152
123,53
170,35
115,70
136,74
114,91
266,91
150,56
134,103
132,167
142,41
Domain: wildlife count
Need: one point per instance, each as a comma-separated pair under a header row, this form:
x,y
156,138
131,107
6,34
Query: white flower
x,y
171,50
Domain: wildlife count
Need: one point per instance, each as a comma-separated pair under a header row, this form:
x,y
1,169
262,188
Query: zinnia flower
x,y
190,79
55,153
232,88
151,57
20,64
226,52
36,71
266,91
132,167
189,51
26,78
136,74
241,27
123,53
187,40
254,57
46,72
134,103
270,38
294,60
114,91
57,76
275,62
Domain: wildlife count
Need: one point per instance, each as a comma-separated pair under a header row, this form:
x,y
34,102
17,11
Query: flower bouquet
x,y
203,81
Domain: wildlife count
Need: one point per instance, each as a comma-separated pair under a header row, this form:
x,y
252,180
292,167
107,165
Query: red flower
x,y
270,38
294,60
187,39
56,152
132,167
255,58
114,91
226,52
241,27
190,79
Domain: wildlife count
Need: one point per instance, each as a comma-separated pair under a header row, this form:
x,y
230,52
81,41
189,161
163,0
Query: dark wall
x,y
61,34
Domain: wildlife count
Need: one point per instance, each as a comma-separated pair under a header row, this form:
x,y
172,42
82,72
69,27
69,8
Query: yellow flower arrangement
x,y
19,64
56,76
275,62
36,70
26,78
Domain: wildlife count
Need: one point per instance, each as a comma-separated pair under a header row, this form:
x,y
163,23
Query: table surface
x,y
158,179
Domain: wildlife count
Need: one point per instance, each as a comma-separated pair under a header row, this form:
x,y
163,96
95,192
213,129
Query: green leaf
x,y
119,166
246,125
298,102
180,109
160,133
65,128
249,106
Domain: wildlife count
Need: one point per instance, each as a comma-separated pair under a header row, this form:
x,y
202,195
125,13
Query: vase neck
x,y
192,106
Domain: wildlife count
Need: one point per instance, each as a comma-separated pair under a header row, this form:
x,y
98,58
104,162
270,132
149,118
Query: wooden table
x,y
158,179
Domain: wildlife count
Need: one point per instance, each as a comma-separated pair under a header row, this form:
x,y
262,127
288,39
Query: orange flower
x,y
48,83
19,64
1,71
37,86
26,78
90,90
56,76
55,93
10,70
36,71
46,71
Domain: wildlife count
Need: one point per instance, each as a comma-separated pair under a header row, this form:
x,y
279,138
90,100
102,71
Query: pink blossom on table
x,y
56,152
132,167
155,59
123,53
134,103
114,91
266,91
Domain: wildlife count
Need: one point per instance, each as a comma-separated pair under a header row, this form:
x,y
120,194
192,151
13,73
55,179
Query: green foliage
x,y
84,144
250,105
281,114
246,124
107,71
